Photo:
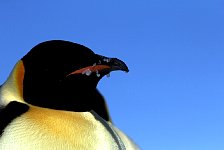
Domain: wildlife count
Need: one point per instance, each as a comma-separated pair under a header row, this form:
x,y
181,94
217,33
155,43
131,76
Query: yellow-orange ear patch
x,y
19,76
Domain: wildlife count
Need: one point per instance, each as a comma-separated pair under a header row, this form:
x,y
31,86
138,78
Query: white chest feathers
x,y
47,129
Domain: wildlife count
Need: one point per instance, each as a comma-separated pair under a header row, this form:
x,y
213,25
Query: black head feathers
x,y
64,75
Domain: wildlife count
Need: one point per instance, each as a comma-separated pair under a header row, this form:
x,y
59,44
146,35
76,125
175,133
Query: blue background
x,y
173,96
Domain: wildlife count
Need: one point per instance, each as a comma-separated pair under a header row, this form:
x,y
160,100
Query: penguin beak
x,y
103,65
113,63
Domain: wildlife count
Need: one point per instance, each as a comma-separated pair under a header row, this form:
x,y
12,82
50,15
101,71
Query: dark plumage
x,y
59,77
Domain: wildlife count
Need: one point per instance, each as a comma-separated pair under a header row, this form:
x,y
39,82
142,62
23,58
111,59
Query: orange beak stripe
x,y
91,68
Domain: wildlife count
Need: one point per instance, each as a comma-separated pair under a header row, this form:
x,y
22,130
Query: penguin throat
x,y
66,96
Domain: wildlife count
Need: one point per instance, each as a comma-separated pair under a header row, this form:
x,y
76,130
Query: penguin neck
x,y
12,89
63,97
71,95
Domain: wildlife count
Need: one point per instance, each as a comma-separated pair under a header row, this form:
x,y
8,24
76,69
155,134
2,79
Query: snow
x,y
97,73
108,75
87,72
106,60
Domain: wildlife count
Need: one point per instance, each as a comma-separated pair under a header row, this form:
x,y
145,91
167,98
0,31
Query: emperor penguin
x,y
50,101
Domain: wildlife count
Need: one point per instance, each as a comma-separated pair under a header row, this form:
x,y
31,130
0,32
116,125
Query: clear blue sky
x,y
173,96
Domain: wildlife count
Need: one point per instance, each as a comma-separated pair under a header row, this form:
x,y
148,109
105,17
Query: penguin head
x,y
59,61
63,75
